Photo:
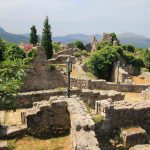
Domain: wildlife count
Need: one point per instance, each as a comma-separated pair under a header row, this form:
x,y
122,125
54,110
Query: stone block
x,y
133,136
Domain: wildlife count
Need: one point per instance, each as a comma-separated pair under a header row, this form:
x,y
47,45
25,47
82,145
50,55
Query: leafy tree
x,y
103,44
46,40
146,59
11,77
2,49
56,47
33,36
129,48
100,63
79,45
13,52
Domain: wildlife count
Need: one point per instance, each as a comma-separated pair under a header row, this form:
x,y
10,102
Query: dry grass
x,y
132,97
138,80
30,143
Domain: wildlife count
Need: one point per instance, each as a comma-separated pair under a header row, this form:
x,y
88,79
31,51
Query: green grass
x,y
97,118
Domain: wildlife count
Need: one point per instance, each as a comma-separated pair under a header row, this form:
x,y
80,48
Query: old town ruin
x,y
99,115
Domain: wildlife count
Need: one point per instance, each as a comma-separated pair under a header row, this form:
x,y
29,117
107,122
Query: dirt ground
x,y
138,80
30,143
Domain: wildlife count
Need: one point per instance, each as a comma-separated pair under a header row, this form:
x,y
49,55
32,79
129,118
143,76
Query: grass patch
x,y
30,143
97,118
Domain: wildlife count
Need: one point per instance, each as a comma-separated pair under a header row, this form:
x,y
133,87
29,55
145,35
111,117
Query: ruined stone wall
x,y
119,74
103,85
122,114
60,116
40,77
66,52
61,59
145,95
26,100
47,119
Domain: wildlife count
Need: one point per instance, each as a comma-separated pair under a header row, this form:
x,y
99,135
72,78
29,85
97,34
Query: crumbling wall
x,y
119,74
40,77
145,95
47,119
61,59
103,85
69,51
123,114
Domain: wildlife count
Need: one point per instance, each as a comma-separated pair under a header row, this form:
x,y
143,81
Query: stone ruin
x,y
110,39
40,77
131,120
94,44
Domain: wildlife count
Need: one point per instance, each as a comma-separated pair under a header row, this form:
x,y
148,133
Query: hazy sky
x,y
76,16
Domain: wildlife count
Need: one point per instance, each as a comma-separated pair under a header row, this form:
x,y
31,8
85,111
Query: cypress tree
x,y
33,36
46,41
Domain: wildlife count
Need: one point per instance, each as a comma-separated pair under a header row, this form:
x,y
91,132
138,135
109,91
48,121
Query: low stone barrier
x,y
103,85
123,114
53,117
66,52
82,126
26,100
61,59
145,95
48,118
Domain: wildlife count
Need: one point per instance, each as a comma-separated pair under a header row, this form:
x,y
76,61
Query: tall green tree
x,y
33,36
46,40
2,49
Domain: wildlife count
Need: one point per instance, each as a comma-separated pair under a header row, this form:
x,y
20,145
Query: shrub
x,y
13,52
129,48
56,47
11,78
85,53
77,54
52,67
79,45
103,44
32,54
146,58
2,49
100,63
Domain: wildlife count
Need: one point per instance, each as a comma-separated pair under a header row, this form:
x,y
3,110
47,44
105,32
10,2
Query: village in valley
x,y
74,95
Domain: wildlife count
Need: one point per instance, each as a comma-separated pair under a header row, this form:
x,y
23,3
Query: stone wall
x,y
123,114
145,95
66,52
26,100
47,119
103,85
59,116
40,77
119,74
61,59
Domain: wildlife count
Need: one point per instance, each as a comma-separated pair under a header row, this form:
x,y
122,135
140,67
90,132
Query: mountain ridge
x,y
125,38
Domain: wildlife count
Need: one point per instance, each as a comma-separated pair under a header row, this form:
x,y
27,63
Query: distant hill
x,y
134,39
125,38
74,37
15,38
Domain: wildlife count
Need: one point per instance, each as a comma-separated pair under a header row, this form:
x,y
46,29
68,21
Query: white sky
x,y
76,16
